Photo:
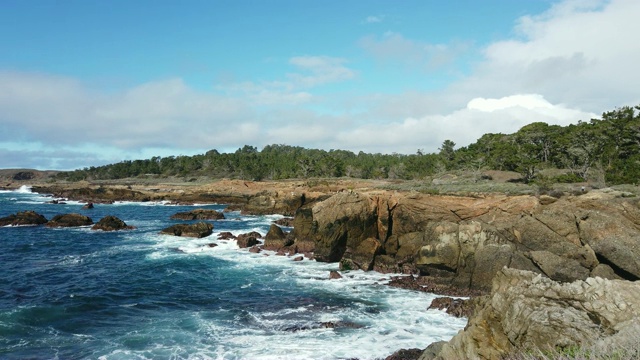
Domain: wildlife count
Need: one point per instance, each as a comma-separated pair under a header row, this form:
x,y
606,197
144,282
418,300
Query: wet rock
x,y
254,234
198,214
276,239
23,218
255,249
198,230
454,307
334,275
298,258
405,354
88,206
225,235
111,223
69,220
247,241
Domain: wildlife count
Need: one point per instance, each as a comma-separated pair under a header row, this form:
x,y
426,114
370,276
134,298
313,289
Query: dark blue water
x,y
83,294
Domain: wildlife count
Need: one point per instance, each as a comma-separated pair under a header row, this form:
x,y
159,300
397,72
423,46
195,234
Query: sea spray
x,y
77,293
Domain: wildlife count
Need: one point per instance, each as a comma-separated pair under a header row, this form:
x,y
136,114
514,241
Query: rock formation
x,y
69,220
23,218
197,230
111,223
464,241
529,313
276,239
198,214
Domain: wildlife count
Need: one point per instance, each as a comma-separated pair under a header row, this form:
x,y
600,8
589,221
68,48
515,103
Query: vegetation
x,y
603,150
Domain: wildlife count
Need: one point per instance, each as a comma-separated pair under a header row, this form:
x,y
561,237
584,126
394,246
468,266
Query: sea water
x,y
74,293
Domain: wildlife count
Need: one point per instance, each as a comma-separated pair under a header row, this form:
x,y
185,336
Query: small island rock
x,y
198,230
23,218
69,220
111,223
198,214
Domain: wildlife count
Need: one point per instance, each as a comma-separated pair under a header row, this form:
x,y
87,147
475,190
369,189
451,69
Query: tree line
x,y
607,147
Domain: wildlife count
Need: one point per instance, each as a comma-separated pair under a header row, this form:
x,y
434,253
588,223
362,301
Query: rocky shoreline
x,y
575,254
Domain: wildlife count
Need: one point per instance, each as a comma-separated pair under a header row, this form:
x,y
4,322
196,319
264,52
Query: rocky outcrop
x,y
111,223
69,220
247,241
276,239
527,312
198,214
197,230
464,241
23,218
344,220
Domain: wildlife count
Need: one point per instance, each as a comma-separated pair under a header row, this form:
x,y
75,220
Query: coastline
x,y
457,244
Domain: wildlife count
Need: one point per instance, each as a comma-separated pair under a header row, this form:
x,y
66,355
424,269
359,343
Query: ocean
x,y
74,293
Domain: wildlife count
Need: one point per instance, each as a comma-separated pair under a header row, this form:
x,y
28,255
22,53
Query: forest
x,y
606,149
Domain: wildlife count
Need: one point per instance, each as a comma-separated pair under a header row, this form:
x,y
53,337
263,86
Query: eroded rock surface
x,y
464,241
528,312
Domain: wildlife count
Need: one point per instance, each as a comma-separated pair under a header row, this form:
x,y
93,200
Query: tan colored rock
x,y
362,257
528,312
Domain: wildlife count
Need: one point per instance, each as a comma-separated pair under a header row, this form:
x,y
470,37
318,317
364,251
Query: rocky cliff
x,y
465,241
528,313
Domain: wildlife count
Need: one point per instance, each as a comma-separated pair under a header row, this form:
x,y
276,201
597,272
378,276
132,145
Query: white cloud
x,y
319,70
579,52
395,47
372,19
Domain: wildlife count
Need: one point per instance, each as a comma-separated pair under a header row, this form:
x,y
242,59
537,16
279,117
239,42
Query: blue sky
x,y
92,82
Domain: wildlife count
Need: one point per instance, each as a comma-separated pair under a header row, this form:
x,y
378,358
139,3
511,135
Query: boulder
x,y
276,239
614,239
247,241
334,275
454,307
88,206
69,220
198,214
405,354
23,218
254,234
529,313
111,223
225,235
197,230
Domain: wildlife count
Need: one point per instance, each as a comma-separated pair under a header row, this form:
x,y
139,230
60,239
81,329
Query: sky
x,y
88,82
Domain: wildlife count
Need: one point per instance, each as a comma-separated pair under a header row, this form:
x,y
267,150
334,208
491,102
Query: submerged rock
x,y
111,223
23,218
69,220
198,230
198,214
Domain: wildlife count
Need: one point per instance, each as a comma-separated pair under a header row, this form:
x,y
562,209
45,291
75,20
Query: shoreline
x,y
459,245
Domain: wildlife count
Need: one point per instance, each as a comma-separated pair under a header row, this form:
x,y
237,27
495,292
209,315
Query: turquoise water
x,y
82,294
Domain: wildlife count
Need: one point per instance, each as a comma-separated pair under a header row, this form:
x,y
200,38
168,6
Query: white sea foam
x,y
24,189
390,318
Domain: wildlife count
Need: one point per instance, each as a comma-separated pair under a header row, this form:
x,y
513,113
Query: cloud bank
x,y
570,63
